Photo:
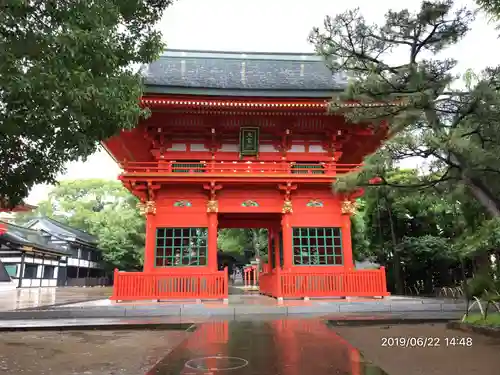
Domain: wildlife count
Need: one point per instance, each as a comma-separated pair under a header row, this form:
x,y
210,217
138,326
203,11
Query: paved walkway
x,y
62,303
165,322
29,298
287,347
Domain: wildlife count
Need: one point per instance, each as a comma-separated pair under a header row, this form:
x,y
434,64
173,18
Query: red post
x,y
226,283
277,262
384,280
114,296
270,236
347,242
150,246
212,241
287,242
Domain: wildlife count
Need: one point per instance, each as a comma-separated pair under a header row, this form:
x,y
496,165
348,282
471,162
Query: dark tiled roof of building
x,y
31,238
242,72
56,228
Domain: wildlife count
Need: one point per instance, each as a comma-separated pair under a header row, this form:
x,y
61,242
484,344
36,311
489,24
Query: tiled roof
x,y
28,237
242,72
57,228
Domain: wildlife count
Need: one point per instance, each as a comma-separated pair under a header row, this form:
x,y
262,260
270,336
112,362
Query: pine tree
x,y
431,116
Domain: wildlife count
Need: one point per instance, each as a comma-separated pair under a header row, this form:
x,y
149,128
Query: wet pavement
x,y
36,298
263,347
284,347
308,346
85,352
239,305
162,322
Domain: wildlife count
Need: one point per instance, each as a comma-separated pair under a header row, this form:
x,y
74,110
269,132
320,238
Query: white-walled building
x,y
30,259
45,252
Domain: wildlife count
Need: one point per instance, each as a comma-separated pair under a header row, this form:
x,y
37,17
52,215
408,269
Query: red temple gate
x,y
226,148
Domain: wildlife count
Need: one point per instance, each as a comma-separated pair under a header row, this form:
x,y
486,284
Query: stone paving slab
x,y
173,322
31,298
189,310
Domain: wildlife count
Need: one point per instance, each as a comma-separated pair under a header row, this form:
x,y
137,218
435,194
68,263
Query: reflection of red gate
x,y
211,340
294,338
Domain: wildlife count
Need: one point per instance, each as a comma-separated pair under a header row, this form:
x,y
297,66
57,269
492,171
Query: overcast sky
x,y
271,26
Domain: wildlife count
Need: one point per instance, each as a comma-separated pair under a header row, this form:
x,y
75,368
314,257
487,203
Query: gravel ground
x,y
84,352
481,358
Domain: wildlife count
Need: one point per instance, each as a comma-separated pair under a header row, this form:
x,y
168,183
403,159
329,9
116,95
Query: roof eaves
x,y
181,90
242,55
73,232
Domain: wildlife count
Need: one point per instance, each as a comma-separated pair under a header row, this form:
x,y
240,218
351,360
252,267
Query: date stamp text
x,y
425,342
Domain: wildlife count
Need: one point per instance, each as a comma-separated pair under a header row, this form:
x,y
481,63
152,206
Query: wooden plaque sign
x,y
249,141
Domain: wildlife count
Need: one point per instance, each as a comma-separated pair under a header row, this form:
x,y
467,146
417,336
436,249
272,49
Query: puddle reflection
x,y
280,347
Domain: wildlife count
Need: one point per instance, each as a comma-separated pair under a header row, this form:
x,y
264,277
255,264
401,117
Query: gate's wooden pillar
x,y
287,241
270,237
150,243
212,241
347,242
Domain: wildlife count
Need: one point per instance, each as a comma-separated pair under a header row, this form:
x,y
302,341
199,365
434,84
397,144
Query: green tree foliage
x,y
66,81
414,233
492,7
238,240
453,125
105,209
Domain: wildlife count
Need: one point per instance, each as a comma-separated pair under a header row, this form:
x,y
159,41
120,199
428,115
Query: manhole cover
x,y
216,363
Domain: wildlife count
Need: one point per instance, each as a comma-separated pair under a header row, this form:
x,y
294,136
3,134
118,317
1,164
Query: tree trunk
x,y
482,194
398,281
255,242
480,191
483,263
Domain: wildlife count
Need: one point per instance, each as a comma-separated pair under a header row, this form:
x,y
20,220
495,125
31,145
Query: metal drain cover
x,y
216,363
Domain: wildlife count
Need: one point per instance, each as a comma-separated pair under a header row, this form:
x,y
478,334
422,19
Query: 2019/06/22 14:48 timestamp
x,y
425,342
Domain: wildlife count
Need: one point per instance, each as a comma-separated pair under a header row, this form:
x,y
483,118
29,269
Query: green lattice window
x,y
307,168
180,247
188,167
317,246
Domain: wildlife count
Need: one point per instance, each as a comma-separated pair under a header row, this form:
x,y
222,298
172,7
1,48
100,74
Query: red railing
x,y
250,277
133,286
238,168
355,283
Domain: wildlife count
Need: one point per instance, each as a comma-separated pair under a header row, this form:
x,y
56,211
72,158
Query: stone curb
x,y
224,311
469,328
141,324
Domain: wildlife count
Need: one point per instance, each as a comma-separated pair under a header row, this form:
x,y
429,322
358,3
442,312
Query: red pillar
x,y
270,236
150,246
277,268
212,241
347,242
287,242
277,261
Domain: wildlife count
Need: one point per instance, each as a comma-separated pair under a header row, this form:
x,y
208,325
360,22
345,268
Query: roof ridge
x,y
18,226
67,227
240,52
240,55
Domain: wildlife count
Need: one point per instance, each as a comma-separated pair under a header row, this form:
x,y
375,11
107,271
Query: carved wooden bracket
x,y
349,204
287,207
348,207
287,188
152,188
212,204
212,188
147,208
159,137
287,203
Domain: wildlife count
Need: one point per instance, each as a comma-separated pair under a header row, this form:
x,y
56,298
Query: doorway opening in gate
x,y
243,241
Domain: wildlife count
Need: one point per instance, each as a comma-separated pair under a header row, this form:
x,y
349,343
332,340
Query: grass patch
x,y
492,320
